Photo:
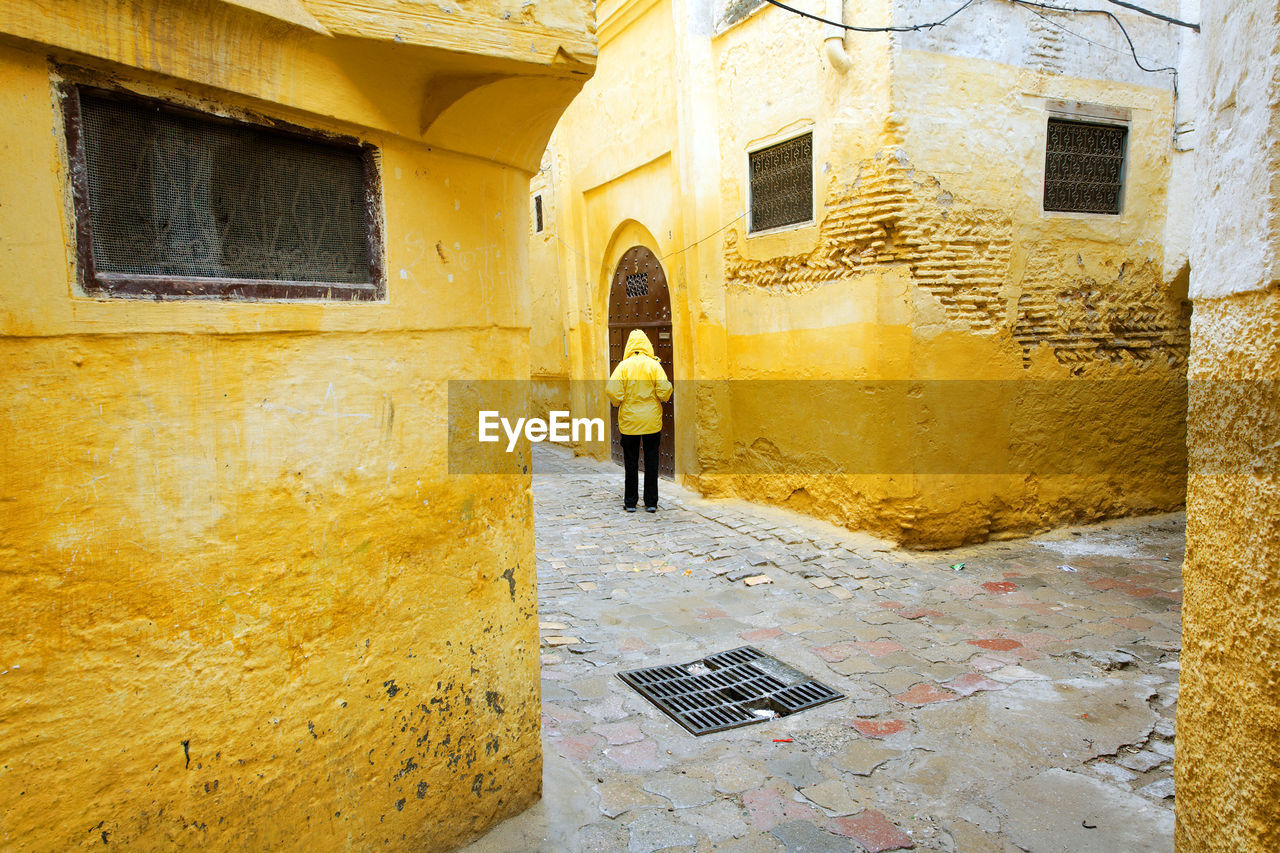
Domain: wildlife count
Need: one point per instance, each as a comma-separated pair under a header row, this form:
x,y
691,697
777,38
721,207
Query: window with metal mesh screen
x,y
173,203
782,183
637,285
1084,167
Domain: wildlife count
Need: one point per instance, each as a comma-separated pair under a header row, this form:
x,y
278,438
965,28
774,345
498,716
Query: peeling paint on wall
x,y
1110,313
892,215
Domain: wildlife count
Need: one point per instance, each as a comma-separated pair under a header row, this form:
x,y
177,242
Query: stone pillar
x,y
1228,764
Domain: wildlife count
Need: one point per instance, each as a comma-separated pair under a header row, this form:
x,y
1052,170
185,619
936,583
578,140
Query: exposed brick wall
x,y
1096,306
1088,317
892,215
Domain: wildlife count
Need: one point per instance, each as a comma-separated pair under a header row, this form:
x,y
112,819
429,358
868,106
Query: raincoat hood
x,y
638,387
638,342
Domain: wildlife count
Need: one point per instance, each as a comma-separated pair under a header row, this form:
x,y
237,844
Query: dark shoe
x,y
651,509
629,508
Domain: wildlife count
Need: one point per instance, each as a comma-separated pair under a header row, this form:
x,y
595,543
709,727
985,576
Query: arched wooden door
x,y
638,299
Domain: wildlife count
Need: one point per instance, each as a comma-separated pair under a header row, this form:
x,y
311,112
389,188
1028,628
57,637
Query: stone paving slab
x,y
987,708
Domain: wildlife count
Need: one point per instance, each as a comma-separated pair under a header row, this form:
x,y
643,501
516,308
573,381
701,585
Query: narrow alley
x,y
1012,695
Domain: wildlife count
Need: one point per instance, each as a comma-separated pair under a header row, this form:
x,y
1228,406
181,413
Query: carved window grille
x,y
782,184
171,203
1084,167
537,214
637,284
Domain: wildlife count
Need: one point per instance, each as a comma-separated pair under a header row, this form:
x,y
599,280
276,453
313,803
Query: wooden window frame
x,y
100,283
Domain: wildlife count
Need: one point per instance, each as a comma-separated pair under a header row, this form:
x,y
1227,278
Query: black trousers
x,y
630,463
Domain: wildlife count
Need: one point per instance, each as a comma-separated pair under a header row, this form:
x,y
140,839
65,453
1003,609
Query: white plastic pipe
x,y
833,38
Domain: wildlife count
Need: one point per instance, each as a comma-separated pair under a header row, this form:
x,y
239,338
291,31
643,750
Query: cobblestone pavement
x,y
1014,695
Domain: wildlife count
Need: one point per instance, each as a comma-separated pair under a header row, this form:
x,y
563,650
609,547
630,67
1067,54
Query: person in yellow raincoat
x,y
639,387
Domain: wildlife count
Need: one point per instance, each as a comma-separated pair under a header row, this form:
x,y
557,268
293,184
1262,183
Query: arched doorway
x,y
638,299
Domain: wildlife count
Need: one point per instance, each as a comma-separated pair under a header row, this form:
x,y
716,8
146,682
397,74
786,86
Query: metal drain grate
x,y
727,689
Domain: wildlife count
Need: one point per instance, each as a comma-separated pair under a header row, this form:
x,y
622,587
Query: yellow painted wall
x,y
614,187
549,311
1228,767
932,260
247,605
929,260
1228,763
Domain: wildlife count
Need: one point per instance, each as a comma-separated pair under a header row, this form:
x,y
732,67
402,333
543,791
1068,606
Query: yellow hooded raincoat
x,y
638,387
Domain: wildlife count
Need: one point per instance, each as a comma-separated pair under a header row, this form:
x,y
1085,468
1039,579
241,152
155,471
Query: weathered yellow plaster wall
x,y
216,553
247,605
1228,763
1228,767
616,187
928,260
624,177
549,311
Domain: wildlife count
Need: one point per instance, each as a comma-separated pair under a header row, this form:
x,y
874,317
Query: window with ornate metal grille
x,y
1084,167
782,183
172,203
637,285
537,214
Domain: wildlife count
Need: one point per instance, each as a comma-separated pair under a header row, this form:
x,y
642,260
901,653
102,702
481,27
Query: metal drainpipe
x,y
833,38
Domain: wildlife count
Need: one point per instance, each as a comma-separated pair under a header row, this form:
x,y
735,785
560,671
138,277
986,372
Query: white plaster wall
x,y
1181,202
1089,46
1234,244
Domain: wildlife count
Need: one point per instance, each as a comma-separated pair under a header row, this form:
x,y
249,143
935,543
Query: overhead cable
x,y
903,28
1124,51
1072,10
670,254
704,239
911,28
1156,15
